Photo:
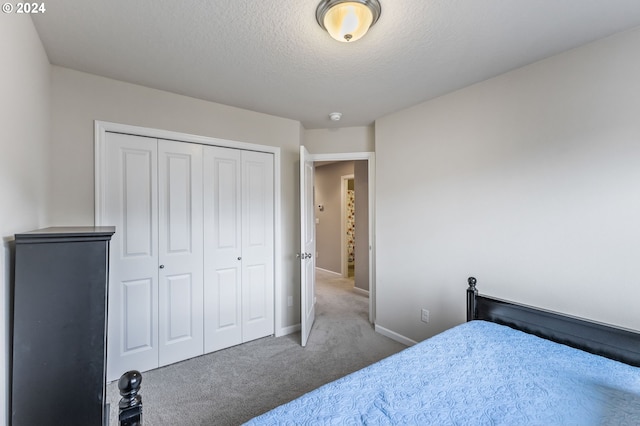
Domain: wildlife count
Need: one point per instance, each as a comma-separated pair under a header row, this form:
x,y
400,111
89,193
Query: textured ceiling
x,y
272,57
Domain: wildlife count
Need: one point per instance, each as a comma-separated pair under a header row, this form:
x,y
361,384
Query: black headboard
x,y
600,339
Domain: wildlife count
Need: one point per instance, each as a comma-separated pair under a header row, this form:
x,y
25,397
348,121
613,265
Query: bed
x,y
509,364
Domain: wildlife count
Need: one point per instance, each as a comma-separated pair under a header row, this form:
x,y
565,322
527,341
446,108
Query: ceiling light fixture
x,y
348,20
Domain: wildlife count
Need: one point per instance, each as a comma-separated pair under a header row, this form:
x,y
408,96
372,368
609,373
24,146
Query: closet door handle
x,y
239,258
161,266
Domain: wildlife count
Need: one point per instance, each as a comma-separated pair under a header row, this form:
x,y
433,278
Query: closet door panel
x,y
254,285
180,218
223,251
257,245
137,311
227,283
178,312
131,206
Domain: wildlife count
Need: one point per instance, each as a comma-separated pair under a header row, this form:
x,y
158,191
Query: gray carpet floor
x,y
231,386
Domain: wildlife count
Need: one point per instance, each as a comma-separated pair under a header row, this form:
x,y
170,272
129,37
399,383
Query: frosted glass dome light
x,y
347,20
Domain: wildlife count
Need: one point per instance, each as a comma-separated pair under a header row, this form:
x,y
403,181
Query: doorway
x,y
342,243
308,224
366,170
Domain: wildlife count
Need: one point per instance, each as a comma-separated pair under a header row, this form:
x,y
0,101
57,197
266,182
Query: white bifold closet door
x,y
238,250
153,195
180,241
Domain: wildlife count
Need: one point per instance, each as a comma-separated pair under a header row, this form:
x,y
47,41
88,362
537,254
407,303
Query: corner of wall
x,y
25,111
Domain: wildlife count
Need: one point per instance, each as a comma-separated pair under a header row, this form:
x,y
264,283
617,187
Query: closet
x,y
238,234
192,256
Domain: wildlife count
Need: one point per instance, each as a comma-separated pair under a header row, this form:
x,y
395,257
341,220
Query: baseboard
x,y
288,330
395,336
329,272
361,291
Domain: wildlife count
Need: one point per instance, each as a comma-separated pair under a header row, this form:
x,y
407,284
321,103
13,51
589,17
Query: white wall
x,y
79,98
346,139
529,181
24,147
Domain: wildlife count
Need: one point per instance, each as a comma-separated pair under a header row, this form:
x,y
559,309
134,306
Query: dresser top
x,y
67,233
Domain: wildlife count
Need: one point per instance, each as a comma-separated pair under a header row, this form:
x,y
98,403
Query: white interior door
x,y
180,218
307,246
223,248
257,245
131,206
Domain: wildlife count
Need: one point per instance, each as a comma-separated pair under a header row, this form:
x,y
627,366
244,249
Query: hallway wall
x,y
328,183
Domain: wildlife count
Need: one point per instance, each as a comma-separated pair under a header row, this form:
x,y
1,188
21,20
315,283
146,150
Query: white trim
x,y
288,330
100,159
346,156
337,274
100,131
371,162
395,336
361,291
180,137
279,307
372,238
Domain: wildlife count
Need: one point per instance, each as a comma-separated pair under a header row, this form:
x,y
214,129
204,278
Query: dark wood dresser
x,y
59,326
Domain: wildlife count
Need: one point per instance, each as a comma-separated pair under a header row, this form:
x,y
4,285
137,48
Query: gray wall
x,y
24,172
328,181
529,181
79,98
346,139
328,192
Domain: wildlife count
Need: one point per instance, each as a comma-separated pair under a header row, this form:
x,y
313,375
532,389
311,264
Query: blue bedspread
x,y
478,373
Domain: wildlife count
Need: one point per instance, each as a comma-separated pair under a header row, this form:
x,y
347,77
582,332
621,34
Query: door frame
x,y
370,157
102,127
307,246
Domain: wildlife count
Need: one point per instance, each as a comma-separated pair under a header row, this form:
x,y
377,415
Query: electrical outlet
x,y
425,315
290,301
